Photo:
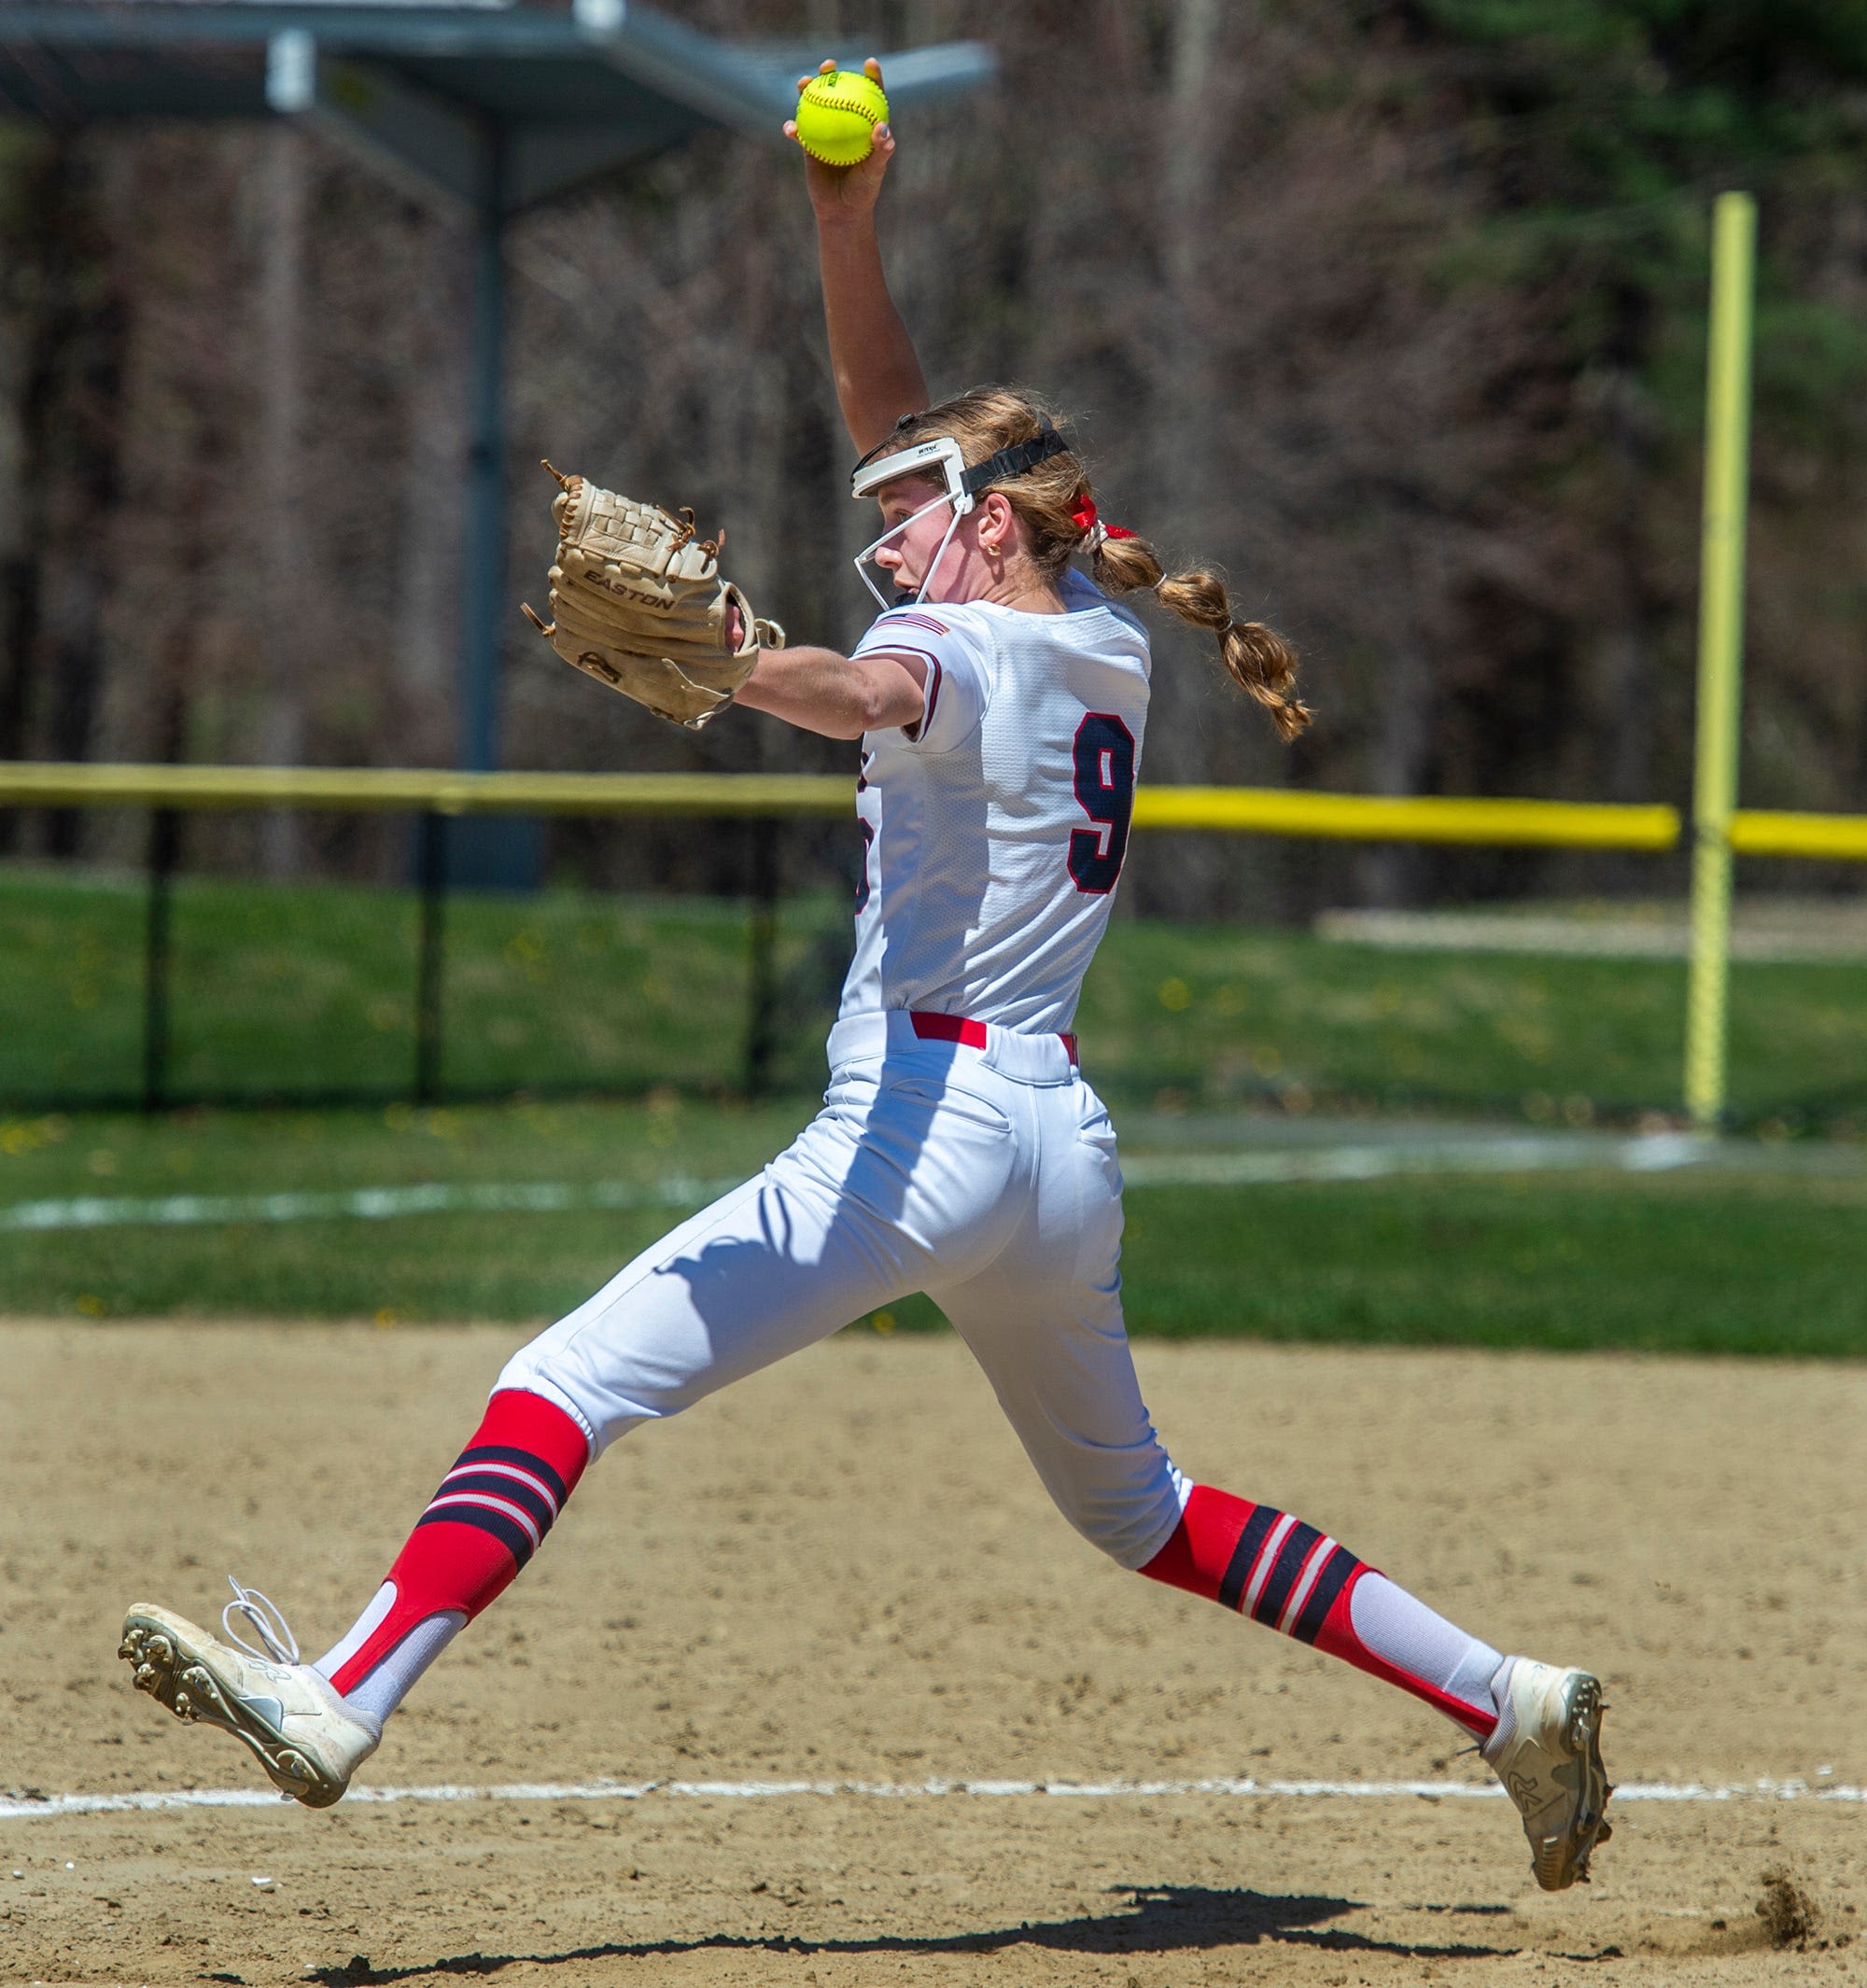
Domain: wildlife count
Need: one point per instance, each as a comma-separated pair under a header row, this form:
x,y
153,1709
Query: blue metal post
x,y
483,625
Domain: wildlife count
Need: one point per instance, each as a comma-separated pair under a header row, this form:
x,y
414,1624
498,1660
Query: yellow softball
x,y
836,116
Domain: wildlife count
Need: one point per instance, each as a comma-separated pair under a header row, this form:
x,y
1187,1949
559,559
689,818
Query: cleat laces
x,y
264,1620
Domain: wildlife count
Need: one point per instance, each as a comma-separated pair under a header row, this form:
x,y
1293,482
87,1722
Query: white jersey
x,y
995,834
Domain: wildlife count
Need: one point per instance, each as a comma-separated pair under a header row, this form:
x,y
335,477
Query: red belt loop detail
x,y
933,1027
947,1028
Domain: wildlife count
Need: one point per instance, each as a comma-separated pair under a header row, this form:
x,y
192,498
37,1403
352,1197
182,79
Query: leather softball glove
x,y
637,602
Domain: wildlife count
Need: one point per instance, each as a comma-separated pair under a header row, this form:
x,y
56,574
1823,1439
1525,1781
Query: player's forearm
x,y
878,373
839,696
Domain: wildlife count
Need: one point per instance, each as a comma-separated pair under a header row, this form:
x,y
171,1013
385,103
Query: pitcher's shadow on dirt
x,y
1162,1919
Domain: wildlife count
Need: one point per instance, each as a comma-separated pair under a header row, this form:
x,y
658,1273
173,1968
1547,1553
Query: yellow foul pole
x,y
1721,649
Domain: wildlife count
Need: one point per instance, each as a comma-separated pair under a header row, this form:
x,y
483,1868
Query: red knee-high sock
x,y
1290,1576
487,1520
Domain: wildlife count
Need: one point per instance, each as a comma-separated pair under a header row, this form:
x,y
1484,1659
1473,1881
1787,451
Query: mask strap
x,y
906,421
1018,460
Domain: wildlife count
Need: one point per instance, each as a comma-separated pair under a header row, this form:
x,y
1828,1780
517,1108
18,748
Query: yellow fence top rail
x,y
1374,818
1239,810
1757,831
1235,810
46,784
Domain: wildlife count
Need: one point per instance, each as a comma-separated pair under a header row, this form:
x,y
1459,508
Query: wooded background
x,y
1395,310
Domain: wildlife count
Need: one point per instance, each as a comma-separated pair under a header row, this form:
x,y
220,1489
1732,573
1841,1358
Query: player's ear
x,y
996,518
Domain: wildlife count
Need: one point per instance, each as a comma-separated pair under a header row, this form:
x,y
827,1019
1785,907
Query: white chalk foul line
x,y
368,1204
38,1808
1645,1153
1649,1153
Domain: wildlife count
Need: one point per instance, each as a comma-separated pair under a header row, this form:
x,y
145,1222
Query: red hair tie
x,y
1086,521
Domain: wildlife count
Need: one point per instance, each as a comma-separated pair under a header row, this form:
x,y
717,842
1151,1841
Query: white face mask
x,y
925,591
940,455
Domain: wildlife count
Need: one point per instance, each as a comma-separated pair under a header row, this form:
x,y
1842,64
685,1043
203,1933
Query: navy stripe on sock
x,y
1330,1582
500,1453
496,1484
1291,1555
509,1533
1238,1570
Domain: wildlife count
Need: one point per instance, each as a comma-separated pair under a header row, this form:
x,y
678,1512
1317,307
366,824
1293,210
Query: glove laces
x,y
264,1620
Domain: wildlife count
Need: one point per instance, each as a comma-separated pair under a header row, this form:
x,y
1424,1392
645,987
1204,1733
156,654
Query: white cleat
x,y
306,1737
1547,1752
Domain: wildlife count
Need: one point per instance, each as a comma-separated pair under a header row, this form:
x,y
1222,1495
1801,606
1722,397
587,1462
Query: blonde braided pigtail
x,y
1257,658
1057,509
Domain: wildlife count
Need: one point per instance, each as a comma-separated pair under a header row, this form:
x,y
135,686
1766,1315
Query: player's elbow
x,y
891,707
873,707
887,693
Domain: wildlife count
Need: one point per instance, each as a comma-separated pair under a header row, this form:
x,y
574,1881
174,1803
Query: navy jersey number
x,y
1104,756
867,832
862,881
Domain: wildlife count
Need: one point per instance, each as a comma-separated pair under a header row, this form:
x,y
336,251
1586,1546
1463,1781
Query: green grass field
x,y
307,990
1748,1258
285,992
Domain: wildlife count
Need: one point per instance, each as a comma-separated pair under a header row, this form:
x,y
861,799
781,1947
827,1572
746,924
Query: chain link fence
x,y
350,948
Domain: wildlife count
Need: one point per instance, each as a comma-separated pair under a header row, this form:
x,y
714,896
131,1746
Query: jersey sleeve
x,y
958,676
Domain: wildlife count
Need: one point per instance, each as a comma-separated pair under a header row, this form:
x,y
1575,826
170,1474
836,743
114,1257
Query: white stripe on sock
x,y
1312,1569
505,1470
365,1627
488,1502
1266,1559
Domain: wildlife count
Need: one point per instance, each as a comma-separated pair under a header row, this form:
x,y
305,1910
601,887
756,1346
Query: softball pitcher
x,y
1002,706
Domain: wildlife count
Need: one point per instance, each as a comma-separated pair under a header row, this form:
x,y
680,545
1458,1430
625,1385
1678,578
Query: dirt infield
x,y
843,1572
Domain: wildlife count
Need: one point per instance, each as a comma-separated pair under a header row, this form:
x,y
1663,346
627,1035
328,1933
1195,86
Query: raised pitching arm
x,y
877,373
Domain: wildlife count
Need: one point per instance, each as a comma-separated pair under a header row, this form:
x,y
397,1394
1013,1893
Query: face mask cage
x,y
962,485
940,455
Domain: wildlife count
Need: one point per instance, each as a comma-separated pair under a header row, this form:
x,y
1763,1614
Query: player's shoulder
x,y
947,627
911,614
1081,595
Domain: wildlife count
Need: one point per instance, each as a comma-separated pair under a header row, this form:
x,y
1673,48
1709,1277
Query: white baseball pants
x,y
984,1177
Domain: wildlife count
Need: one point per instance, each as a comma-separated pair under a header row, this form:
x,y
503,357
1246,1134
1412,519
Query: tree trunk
x,y
427,645
1185,434
1399,757
283,512
1626,679
40,287
83,478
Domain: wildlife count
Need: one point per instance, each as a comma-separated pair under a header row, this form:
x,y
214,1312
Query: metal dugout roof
x,y
493,104
430,83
